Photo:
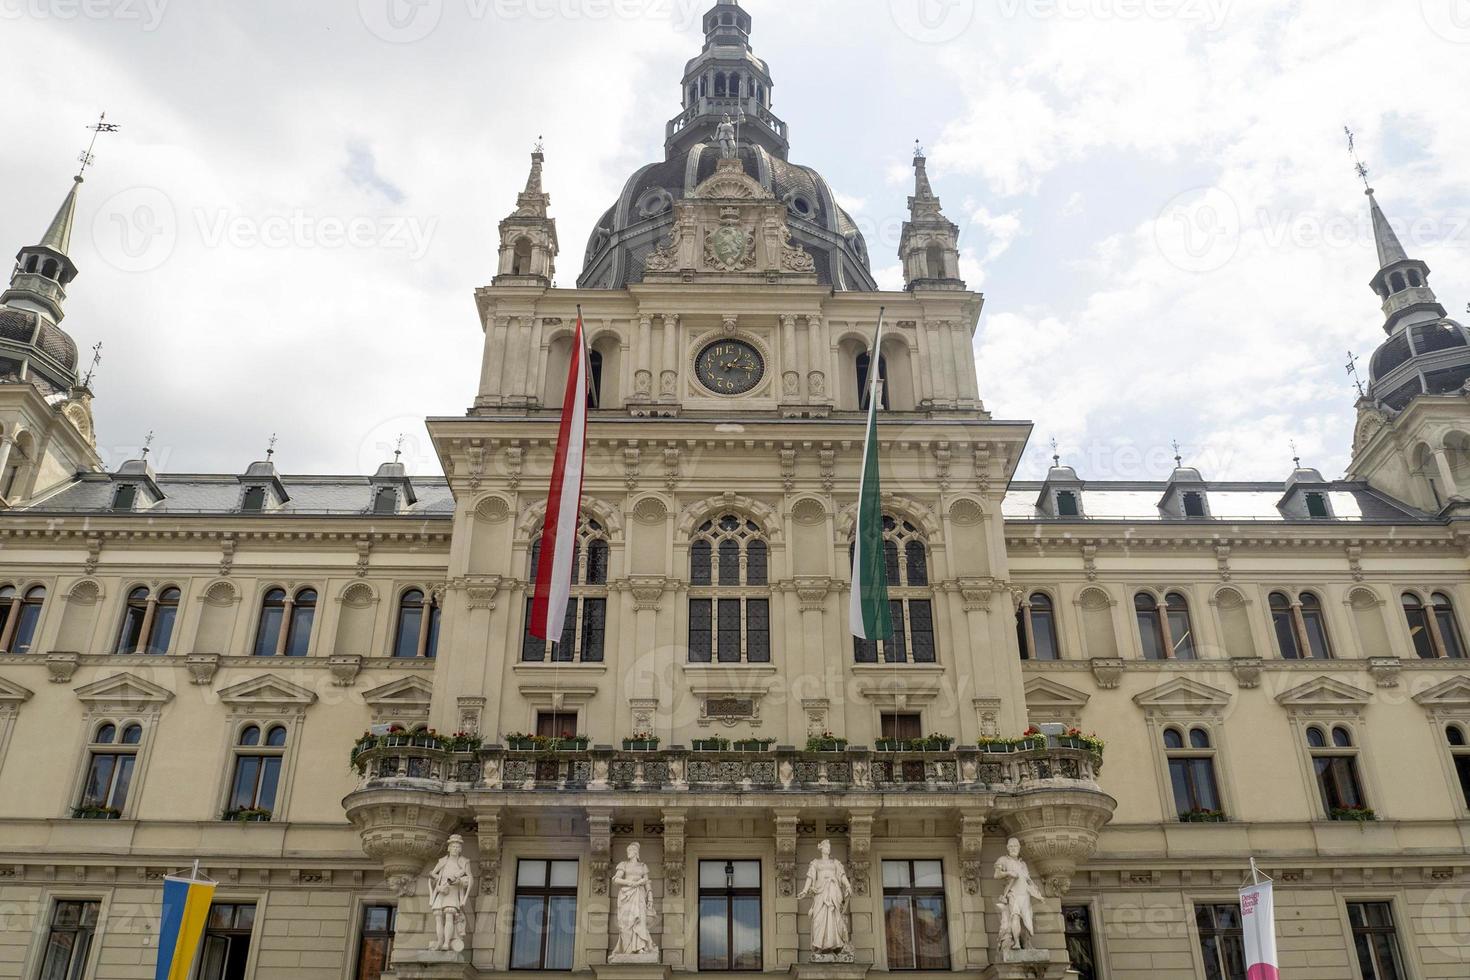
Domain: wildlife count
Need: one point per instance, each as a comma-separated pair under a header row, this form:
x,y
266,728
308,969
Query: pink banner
x,y
1258,919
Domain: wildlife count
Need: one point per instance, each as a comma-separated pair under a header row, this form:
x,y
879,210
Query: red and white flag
x,y
554,569
1258,921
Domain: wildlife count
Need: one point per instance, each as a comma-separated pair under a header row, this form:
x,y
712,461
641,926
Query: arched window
x,y
864,365
165,614
257,775
1037,626
521,258
1164,627
52,269
113,754
135,616
910,599
584,634
34,265
1300,625
285,623
1415,279
934,262
1435,630
1335,763
417,634
729,622
1460,758
20,615
594,390
385,501
1398,282
720,84
1192,775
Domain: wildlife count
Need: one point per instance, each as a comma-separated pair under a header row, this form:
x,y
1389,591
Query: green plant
x,y
714,743
825,742
1090,742
753,744
462,742
93,811
1201,815
1360,814
247,814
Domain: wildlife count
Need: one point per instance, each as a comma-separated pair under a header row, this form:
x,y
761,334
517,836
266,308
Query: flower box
x,y
1202,816
1359,814
96,813
711,744
246,816
893,745
640,745
570,743
753,744
816,744
519,743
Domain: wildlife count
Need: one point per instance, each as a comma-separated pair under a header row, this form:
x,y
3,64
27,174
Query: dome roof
x,y
640,219
1423,358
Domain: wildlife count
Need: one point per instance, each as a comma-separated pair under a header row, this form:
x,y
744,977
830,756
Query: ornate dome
x,y
725,82
1424,358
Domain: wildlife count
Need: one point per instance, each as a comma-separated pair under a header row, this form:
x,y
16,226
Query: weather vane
x,y
100,127
1178,455
1296,457
398,448
1352,370
540,146
1056,455
1358,164
271,448
96,360
148,444
918,148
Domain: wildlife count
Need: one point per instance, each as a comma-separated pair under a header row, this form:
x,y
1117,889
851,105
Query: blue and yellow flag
x,y
185,910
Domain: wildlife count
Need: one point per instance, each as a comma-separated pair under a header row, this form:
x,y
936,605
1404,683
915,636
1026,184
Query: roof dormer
x,y
1061,494
1308,496
261,489
1186,496
135,487
392,490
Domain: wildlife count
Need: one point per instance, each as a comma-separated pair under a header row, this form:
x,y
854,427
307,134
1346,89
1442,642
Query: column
x,y
817,368
669,380
487,890
595,937
643,379
788,936
790,373
493,363
149,611
1449,488
533,363
285,632
964,362
941,360
671,921
517,360
972,904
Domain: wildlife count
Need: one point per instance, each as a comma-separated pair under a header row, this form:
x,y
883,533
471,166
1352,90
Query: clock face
x,y
730,367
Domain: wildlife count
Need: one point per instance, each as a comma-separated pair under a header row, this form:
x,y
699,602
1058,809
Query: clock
x,y
730,367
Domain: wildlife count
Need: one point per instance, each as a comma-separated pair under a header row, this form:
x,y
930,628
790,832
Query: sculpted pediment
x,y
1183,695
266,693
123,691
1452,695
406,699
730,182
1325,692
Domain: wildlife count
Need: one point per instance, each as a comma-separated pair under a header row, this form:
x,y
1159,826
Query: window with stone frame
x,y
20,614
1191,758
915,925
1376,941
1335,765
1300,625
69,939
255,778
1164,626
148,621
1221,941
1036,628
1434,628
112,758
1459,747
910,599
225,952
283,628
544,923
416,633
375,941
584,633
729,593
730,916
1081,944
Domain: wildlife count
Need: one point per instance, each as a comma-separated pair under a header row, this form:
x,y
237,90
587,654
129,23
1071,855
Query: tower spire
x,y
528,244
929,244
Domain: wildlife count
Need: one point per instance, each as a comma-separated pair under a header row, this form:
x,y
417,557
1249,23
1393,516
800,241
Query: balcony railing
x,y
496,769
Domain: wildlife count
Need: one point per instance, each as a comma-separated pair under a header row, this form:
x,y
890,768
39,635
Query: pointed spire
x,y
533,202
929,242
1390,249
923,191
58,235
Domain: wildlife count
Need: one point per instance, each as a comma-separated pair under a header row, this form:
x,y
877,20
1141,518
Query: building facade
x,y
313,684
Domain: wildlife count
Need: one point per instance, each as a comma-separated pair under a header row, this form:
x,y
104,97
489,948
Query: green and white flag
x,y
869,615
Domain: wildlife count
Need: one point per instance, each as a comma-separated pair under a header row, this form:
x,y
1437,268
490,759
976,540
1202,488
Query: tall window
x,y
258,760
864,365
556,724
1434,629
1335,762
903,725
1036,622
1299,626
544,930
1081,946
1221,941
113,756
910,602
730,915
594,390
69,941
1192,772
584,634
729,593
417,633
1164,626
914,921
1460,756
1376,941
227,941
285,623
148,621
20,614
375,945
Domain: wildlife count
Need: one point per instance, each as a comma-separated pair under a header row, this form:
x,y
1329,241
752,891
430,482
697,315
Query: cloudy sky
x,y
1156,197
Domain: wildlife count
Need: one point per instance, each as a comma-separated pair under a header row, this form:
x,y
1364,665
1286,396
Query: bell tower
x,y
528,243
929,244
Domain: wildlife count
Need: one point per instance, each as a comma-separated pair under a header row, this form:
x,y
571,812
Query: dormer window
x,y
126,497
1317,506
254,500
1067,504
1194,504
385,501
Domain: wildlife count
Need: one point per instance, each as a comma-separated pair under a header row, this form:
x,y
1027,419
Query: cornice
x,y
83,528
1144,535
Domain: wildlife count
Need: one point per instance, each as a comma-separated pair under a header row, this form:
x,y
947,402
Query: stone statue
x,y
635,910
1017,925
830,891
449,893
725,135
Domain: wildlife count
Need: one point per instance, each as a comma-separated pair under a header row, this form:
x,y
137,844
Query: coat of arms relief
x,y
730,247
